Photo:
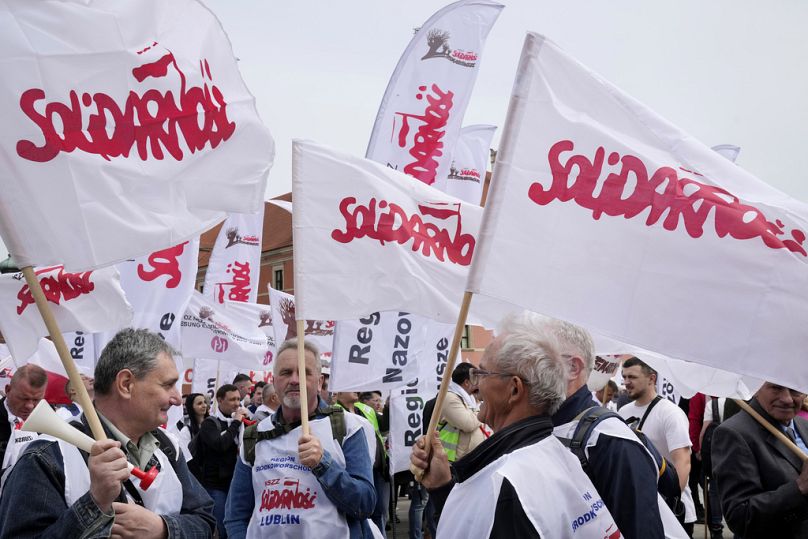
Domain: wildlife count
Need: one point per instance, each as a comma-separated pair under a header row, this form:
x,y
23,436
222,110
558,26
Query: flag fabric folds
x,y
127,129
606,215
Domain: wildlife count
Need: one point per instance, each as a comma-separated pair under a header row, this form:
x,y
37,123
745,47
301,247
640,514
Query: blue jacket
x,y
350,488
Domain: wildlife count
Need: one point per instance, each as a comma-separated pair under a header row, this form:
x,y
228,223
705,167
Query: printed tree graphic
x,y
232,237
438,42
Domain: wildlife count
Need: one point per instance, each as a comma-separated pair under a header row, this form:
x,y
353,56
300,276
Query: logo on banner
x,y
313,327
151,121
164,262
265,319
684,203
464,174
219,344
62,286
438,43
390,223
268,357
233,238
427,145
238,288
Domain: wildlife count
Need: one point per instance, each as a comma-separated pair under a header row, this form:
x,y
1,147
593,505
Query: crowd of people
x,y
522,448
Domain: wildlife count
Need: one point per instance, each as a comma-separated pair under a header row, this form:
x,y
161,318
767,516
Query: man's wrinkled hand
x,y
107,465
134,522
430,465
309,450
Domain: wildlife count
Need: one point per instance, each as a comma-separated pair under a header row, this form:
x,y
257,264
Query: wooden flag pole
x,y
64,354
771,428
301,374
447,376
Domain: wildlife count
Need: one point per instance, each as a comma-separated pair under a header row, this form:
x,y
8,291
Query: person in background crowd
x,y
336,475
24,391
73,410
373,399
605,395
460,430
325,394
714,405
521,482
195,410
695,415
269,403
381,471
56,490
665,424
763,485
243,383
257,397
218,449
617,462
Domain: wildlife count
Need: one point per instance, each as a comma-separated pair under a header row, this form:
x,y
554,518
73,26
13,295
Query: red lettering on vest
x,y
394,225
165,262
152,121
680,200
427,144
56,287
287,498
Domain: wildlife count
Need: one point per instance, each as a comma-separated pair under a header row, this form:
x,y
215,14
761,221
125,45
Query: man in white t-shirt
x,y
666,425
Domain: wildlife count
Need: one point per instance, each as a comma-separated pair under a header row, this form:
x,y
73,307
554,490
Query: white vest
x,y
556,495
616,428
17,442
289,501
164,496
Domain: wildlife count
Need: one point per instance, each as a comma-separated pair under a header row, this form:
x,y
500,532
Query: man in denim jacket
x,y
56,491
302,485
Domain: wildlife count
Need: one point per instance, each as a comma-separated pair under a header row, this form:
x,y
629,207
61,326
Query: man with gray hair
x,y
57,490
520,482
620,466
269,403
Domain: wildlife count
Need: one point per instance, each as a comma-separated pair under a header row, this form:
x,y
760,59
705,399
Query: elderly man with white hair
x,y
521,482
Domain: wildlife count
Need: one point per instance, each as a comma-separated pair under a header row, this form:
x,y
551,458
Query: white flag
x,y
158,286
470,163
235,262
214,331
205,380
127,129
369,238
81,346
87,301
421,112
259,316
283,308
606,215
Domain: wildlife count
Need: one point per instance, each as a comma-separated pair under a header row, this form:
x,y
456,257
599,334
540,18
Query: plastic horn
x,y
43,419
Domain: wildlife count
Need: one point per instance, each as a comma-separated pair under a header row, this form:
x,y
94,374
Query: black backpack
x,y
707,441
667,478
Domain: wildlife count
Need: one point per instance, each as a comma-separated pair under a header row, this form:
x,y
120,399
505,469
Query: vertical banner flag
x,y
235,262
628,226
355,366
82,349
86,301
205,377
283,315
214,331
470,163
422,109
158,286
121,142
259,316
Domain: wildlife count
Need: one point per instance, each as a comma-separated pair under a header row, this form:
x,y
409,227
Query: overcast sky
x,y
726,71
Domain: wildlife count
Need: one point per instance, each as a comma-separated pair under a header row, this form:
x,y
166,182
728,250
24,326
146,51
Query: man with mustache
x,y
290,484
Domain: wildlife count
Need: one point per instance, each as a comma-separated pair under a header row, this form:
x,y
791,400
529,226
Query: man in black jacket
x,y
217,447
762,484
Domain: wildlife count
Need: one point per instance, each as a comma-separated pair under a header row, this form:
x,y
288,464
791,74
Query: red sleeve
x,y
696,418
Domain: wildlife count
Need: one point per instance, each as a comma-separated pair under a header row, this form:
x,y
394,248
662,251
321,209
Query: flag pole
x,y
447,376
67,360
771,428
301,374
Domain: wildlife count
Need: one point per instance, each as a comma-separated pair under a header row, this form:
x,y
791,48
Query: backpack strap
x,y
252,435
648,411
587,421
166,445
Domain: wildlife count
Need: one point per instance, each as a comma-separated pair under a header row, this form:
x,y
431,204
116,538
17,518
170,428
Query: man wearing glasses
x,y
521,482
762,484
